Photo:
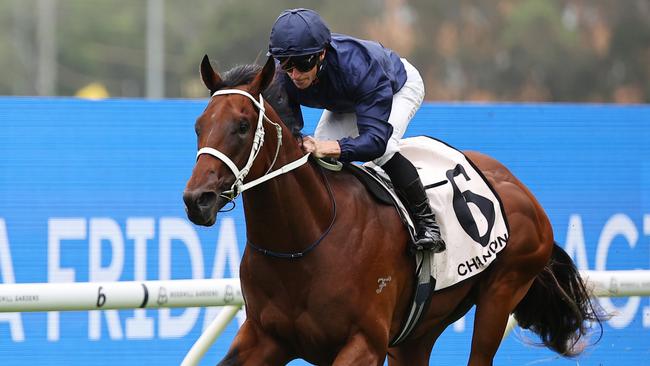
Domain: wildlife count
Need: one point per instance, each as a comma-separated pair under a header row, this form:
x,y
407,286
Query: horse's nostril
x,y
206,199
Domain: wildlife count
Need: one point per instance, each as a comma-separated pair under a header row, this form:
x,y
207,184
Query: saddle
x,y
381,188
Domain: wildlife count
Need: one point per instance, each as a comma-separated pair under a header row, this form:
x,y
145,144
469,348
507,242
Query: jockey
x,y
369,96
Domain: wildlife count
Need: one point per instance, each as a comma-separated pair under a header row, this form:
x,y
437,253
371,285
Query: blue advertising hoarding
x,y
91,191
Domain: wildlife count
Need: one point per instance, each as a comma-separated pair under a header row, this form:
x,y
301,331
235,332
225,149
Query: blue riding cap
x,y
298,32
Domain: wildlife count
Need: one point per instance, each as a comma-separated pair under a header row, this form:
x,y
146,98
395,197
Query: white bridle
x,y
239,186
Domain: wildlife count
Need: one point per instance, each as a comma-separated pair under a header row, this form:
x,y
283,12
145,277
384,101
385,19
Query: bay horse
x,y
318,245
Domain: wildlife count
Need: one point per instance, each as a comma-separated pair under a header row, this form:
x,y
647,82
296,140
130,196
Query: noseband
x,y
239,186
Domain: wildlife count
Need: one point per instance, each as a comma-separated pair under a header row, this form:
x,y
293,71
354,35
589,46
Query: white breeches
x,y
334,126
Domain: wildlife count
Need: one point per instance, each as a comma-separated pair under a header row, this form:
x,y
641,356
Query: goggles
x,y
300,63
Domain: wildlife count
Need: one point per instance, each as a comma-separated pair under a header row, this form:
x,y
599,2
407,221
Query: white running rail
x,y
23,297
220,292
618,283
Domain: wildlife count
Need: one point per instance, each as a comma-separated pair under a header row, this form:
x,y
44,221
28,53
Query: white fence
x,y
25,297
219,292
618,283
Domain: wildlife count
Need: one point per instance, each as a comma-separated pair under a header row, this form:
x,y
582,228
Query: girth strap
x,y
423,290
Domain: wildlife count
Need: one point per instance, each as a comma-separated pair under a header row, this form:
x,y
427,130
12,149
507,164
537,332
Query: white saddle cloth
x,y
468,210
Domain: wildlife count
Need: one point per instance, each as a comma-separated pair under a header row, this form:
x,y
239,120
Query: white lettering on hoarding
x,y
140,230
104,230
170,326
106,259
60,229
106,240
617,225
15,320
227,251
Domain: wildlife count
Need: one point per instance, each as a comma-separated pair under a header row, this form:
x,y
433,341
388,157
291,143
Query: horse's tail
x,y
558,306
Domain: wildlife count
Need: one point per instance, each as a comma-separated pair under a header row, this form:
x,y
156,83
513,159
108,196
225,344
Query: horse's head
x,y
226,133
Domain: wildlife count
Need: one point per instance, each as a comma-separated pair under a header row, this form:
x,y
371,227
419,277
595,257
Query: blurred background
x,y
107,174
467,50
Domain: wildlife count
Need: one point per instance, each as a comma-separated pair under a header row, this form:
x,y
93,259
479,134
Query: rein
x,y
239,186
300,254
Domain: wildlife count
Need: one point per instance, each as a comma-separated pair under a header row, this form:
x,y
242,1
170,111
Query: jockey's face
x,y
303,70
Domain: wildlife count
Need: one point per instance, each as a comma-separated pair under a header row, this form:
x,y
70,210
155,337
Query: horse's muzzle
x,y
202,206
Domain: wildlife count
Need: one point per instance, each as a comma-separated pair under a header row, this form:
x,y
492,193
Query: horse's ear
x,y
264,78
211,79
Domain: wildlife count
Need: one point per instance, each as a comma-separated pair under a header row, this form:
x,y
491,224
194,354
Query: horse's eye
x,y
244,126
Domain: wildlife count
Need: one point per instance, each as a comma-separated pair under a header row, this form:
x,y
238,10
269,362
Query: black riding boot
x,y
426,228
407,183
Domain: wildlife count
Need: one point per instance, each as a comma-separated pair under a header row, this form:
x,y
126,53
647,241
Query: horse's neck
x,y
289,212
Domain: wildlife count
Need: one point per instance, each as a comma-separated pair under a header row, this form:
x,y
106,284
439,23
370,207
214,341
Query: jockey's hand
x,y
321,148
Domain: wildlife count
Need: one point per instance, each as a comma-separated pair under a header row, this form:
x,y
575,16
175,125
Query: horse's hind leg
x,y
503,288
495,303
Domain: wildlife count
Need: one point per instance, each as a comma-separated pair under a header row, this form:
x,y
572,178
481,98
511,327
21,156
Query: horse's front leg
x,y
252,347
361,351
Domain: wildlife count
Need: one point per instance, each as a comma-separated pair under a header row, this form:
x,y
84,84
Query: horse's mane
x,y
274,93
240,75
